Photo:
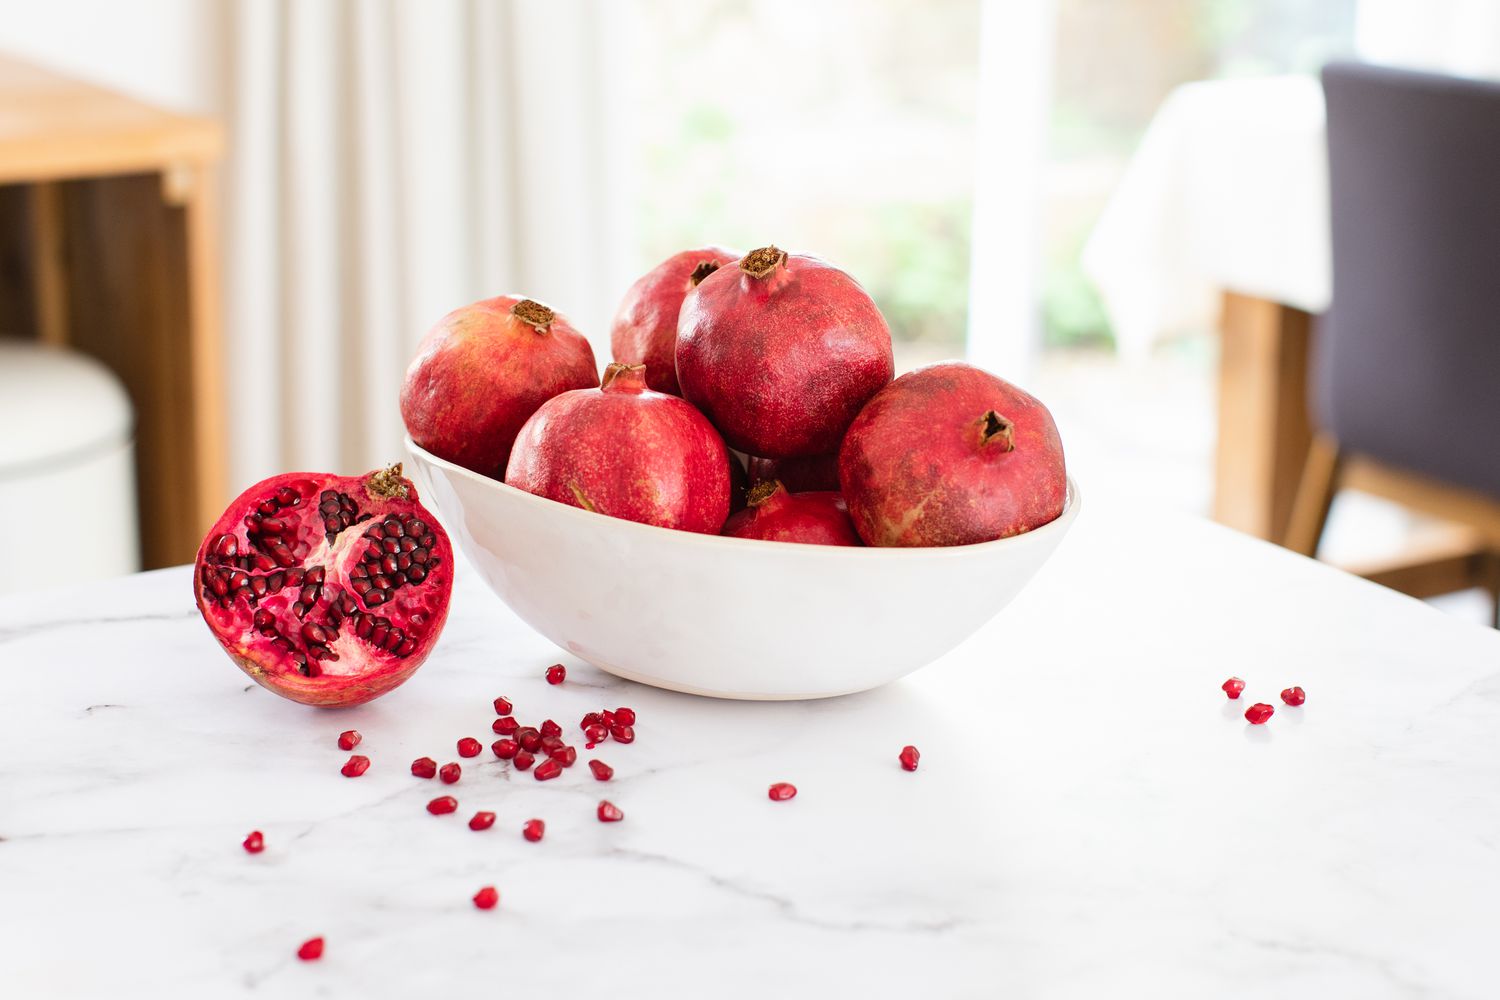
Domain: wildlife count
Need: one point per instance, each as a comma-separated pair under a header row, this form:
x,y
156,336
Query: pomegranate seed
x,y
625,716
1233,687
602,771
530,739
556,673
486,898
505,725
349,739
482,821
523,760
450,773
564,755
355,766
909,758
1294,696
550,728
1258,713
533,829
609,812
311,950
256,842
547,770
782,790
424,767
551,744
607,719
596,733
622,734
503,706
442,805
505,749
469,747
592,719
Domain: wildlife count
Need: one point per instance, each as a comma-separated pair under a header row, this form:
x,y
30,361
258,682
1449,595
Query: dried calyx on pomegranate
x,y
328,590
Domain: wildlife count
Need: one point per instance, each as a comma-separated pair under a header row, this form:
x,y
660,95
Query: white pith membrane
x,y
318,569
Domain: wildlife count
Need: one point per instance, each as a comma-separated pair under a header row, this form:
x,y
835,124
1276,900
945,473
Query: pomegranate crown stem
x,y
533,314
759,263
997,430
623,376
388,483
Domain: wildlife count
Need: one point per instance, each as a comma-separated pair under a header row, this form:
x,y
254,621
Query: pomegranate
x,y
645,328
951,455
482,371
774,515
798,475
780,352
328,590
626,451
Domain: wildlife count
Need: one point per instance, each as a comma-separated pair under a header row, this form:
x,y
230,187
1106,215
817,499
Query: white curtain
x,y
391,160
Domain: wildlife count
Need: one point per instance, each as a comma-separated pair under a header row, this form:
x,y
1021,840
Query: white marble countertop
x,y
1091,816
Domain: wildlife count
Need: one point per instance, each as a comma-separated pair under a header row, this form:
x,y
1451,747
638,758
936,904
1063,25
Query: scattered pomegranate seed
x,y
1294,696
1258,713
566,756
551,744
530,739
311,950
909,758
607,719
1233,687
782,790
505,749
505,725
523,760
550,728
503,706
533,829
450,773
424,767
625,716
486,898
596,733
556,673
590,745
469,747
349,739
442,805
547,770
602,771
592,719
256,842
355,766
482,821
609,812
622,734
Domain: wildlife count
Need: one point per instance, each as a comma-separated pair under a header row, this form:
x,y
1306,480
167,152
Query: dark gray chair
x,y
1406,364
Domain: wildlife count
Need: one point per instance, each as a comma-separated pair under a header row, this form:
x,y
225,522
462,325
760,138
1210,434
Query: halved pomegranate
x,y
328,590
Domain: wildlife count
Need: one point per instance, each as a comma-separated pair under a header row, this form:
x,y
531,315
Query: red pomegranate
x,y
329,590
798,475
950,455
774,515
482,372
626,451
780,352
645,328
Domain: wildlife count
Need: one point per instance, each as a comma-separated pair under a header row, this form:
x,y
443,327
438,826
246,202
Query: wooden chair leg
x,y
1320,481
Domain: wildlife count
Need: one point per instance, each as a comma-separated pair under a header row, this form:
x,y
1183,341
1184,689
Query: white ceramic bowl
x,y
726,617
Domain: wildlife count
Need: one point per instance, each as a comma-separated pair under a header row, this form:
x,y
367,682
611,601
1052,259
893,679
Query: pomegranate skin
x,y
774,515
626,451
644,331
362,669
951,455
780,352
482,371
798,475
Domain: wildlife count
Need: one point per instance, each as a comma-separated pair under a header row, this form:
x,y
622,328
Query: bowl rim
x,y
1058,526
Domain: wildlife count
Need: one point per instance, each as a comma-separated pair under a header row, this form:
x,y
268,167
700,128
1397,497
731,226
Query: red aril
x,y
596,733
609,812
481,373
505,749
502,706
424,767
644,331
628,452
349,739
1294,696
530,739
481,821
450,773
774,515
547,770
622,734
442,805
1233,687
550,728
469,747
311,950
564,755
909,757
780,352
533,830
523,760
781,791
625,716
256,842
328,590
1258,713
355,766
556,673
951,455
798,475
602,771
487,898
506,725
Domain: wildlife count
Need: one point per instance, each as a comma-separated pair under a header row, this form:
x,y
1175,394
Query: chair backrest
x,y
1408,357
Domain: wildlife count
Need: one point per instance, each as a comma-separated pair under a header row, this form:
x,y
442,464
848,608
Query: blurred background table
x,y
108,244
